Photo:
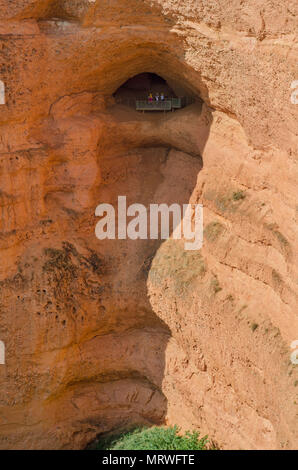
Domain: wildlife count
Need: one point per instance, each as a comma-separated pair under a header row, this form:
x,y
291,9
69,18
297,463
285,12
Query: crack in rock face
x,y
102,335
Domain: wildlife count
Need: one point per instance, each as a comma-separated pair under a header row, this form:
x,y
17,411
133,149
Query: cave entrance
x,y
150,92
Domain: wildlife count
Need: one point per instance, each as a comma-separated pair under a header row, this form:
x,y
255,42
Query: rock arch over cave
x,y
139,86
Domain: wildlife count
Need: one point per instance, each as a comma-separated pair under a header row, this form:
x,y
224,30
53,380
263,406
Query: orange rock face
x,y
101,335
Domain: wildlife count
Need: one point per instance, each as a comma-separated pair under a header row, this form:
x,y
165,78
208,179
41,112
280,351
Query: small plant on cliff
x,y
214,284
155,438
213,230
238,195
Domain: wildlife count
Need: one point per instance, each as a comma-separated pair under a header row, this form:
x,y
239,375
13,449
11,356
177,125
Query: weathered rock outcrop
x,y
104,334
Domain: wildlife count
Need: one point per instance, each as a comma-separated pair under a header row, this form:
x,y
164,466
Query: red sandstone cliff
x,y
102,334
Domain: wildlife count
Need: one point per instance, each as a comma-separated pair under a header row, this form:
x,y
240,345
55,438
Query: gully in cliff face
x,y
190,215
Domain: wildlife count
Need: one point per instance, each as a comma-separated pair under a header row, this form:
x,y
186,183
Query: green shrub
x,y
238,195
155,438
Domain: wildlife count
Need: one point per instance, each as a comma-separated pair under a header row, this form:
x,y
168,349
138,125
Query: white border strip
x,y
2,92
2,353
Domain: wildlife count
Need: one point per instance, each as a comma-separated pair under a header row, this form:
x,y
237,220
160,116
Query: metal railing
x,y
144,105
169,104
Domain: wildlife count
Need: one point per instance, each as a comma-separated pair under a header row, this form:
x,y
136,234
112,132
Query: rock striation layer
x,y
101,335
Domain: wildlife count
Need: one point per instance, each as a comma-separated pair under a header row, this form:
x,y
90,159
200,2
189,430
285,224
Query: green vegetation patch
x,y
155,438
276,278
229,202
283,242
213,230
238,195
